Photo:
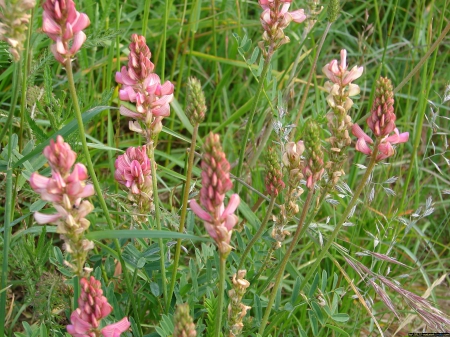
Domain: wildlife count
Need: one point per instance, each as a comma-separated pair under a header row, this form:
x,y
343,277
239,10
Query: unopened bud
x,y
195,101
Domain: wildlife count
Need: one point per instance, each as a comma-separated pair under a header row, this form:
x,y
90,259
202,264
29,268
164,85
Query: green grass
x,y
196,38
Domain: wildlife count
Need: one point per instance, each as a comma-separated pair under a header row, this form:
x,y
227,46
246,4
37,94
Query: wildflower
x,y
66,189
275,18
195,101
236,309
382,123
133,170
92,308
64,25
13,24
218,219
143,87
274,177
184,325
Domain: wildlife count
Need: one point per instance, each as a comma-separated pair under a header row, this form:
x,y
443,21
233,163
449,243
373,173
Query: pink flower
x,y
339,74
63,24
93,307
133,170
385,148
218,219
60,156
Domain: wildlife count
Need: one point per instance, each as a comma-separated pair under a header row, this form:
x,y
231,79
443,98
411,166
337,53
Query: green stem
x,y
253,111
145,18
344,216
8,204
285,260
258,234
98,190
158,217
15,95
219,312
308,82
183,212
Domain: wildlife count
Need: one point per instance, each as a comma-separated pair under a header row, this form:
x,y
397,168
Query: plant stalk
x,y
90,166
285,260
219,313
359,189
258,234
183,211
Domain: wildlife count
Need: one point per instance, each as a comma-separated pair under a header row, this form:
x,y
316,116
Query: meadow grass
x,y
399,228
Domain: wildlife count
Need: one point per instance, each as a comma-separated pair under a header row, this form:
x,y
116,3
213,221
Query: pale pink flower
x,y
338,72
63,24
92,308
133,170
60,155
218,219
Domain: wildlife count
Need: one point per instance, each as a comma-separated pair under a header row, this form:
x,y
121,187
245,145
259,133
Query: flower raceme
x,y
382,123
62,23
143,87
218,219
92,308
133,170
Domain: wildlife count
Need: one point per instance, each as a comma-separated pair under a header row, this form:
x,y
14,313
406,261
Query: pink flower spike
x,y
114,330
199,211
79,327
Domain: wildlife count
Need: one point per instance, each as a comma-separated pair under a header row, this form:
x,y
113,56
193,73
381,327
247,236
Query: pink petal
x,y
60,47
114,330
42,218
200,212
231,221
298,15
87,191
397,137
359,133
362,146
385,150
355,73
38,182
162,111
78,40
127,112
211,230
80,23
343,59
49,26
232,206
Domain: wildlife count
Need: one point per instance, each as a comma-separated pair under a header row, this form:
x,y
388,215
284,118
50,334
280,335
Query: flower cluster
x,y
340,88
195,101
13,24
140,85
382,123
64,25
274,19
274,176
314,168
65,189
236,309
133,170
92,308
184,324
218,219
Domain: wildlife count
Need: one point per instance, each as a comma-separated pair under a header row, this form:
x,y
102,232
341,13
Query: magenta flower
x,y
62,23
218,219
143,87
385,148
133,170
92,308
339,73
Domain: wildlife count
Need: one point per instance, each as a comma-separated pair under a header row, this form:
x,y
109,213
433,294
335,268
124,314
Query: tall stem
x,y
8,202
253,111
359,189
98,190
183,211
219,312
308,82
151,146
258,234
285,260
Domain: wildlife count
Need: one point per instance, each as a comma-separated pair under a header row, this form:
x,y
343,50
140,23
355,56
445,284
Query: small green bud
x,y
333,10
184,325
195,101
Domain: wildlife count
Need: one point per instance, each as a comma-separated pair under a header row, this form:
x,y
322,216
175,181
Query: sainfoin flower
x,y
92,308
382,123
338,72
143,87
133,170
218,219
64,25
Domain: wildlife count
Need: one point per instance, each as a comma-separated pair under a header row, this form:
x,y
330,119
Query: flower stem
x,y
183,212
285,260
8,201
151,146
219,312
324,250
258,234
308,82
253,111
90,166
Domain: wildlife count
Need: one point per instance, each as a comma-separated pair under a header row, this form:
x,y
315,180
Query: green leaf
x,y
314,285
337,329
323,285
318,311
254,55
314,325
340,317
295,290
154,288
144,234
